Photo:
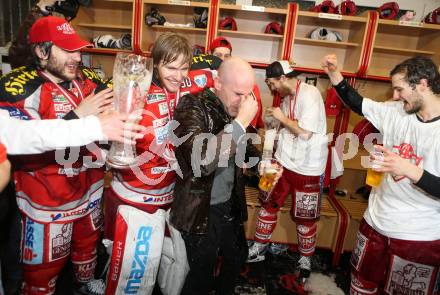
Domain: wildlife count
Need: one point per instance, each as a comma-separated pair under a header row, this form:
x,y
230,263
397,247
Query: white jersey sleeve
x,y
37,136
378,112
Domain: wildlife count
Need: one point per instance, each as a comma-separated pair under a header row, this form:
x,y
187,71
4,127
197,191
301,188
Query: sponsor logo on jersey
x,y
16,113
202,58
33,242
59,98
161,134
163,108
71,171
18,80
201,80
92,75
160,122
82,211
140,260
85,272
61,236
160,170
62,109
155,97
118,260
162,200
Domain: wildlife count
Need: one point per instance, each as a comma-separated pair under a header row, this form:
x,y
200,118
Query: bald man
x,y
209,205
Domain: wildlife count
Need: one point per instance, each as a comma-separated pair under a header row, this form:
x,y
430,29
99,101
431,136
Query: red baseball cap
x,y
57,30
220,42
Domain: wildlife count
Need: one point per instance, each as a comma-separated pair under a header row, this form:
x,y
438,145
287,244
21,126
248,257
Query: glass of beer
x,y
270,169
374,178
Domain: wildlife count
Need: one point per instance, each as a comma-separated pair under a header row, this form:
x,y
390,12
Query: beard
x,y
58,69
416,106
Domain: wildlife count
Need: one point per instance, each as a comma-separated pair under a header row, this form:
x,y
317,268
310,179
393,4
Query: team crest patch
x,y
307,204
60,236
201,80
357,256
407,277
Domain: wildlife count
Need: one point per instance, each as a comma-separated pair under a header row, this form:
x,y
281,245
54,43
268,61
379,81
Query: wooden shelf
x,y
105,26
243,7
107,51
251,34
189,29
121,1
177,3
403,26
349,18
325,43
394,50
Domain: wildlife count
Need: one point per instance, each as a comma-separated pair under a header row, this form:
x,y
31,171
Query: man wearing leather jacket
x,y
209,205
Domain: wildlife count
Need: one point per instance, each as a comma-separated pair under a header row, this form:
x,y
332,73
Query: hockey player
x,y
147,187
398,243
60,203
302,151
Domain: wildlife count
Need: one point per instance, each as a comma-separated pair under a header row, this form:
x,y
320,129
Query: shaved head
x,y
236,69
235,80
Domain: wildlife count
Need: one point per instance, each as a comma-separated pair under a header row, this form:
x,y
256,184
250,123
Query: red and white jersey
x,y
196,81
52,186
152,182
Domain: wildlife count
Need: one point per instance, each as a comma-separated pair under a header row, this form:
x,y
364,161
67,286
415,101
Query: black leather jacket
x,y
203,114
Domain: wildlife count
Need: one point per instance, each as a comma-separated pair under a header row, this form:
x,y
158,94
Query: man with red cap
x,y
60,203
222,48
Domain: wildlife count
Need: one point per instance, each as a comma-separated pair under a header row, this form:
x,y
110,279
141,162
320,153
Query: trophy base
x,y
121,162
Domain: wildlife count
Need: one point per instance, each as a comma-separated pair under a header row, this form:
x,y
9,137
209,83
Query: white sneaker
x,y
256,252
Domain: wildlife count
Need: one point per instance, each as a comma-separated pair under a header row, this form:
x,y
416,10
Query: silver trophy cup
x,y
131,82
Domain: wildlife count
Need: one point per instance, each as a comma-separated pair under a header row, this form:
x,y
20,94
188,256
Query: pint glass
x,y
374,178
271,168
131,81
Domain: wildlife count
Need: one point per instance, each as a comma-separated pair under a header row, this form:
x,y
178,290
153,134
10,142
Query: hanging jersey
x,y
54,186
